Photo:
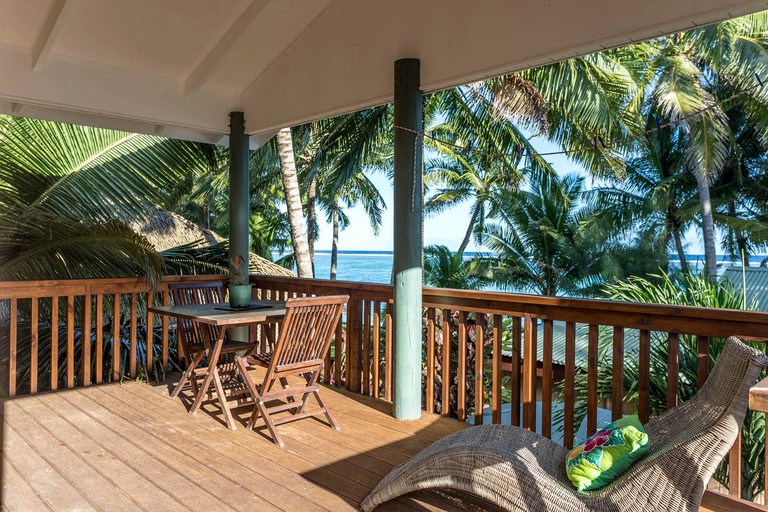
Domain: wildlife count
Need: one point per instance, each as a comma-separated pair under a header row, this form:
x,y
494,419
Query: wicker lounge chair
x,y
520,470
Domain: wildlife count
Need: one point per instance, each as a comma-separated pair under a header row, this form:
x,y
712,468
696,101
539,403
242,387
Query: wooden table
x,y
214,315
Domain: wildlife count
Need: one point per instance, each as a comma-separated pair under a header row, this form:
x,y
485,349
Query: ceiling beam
x,y
206,67
48,33
297,31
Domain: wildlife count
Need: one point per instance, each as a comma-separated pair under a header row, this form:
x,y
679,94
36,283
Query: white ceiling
x,y
178,67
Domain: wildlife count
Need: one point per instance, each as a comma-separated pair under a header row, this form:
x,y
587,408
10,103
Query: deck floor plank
x,y
131,447
146,493
216,441
207,469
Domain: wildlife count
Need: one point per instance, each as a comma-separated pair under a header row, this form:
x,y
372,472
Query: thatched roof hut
x,y
166,229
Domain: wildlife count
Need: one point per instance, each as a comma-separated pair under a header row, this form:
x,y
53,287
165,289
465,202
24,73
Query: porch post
x,y
408,216
239,192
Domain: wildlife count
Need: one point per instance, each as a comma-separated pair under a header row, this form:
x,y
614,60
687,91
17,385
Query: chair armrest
x,y
758,396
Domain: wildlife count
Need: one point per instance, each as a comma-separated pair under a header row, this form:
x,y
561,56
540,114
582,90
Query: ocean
x,y
376,266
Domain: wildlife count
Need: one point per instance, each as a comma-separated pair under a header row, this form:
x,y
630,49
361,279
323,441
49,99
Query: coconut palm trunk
x,y
707,225
335,243
284,141
312,221
470,228
680,251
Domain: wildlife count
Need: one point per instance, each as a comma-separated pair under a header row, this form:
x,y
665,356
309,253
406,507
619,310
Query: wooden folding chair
x,y
304,341
193,337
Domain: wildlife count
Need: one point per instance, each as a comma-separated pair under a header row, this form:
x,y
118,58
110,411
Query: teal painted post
x,y
239,191
407,268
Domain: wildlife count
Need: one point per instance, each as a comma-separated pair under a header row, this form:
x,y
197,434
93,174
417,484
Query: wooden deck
x,y
130,447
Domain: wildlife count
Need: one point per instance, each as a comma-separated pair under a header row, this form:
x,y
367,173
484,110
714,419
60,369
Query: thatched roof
x,y
166,230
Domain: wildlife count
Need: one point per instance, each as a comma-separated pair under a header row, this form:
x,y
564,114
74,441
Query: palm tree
x,y
680,75
477,157
542,241
343,149
445,269
655,196
284,140
67,192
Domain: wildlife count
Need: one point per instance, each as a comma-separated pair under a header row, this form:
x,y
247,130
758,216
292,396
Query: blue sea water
x,y
376,266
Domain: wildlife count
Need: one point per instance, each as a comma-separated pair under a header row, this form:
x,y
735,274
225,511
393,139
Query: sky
x,y
446,228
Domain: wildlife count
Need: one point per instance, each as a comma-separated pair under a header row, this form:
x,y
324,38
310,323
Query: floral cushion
x,y
607,454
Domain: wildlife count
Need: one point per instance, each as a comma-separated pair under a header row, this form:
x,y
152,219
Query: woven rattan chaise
x,y
520,470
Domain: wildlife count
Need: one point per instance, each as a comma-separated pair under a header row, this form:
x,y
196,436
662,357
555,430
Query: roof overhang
x,y
177,67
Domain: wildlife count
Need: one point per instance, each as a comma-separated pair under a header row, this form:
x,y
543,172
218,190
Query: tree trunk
x,y
206,213
335,243
680,251
707,225
470,228
293,202
312,221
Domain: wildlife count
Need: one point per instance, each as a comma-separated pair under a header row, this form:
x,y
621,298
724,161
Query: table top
x,y
209,314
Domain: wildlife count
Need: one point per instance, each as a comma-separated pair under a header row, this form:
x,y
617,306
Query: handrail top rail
x,y
490,300
482,301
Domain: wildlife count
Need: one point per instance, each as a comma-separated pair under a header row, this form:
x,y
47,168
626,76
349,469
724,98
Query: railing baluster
x,y
461,373
529,372
570,384
479,367
354,324
496,375
13,334
366,347
592,379
34,344
673,369
70,341
702,360
644,370
165,327
116,345
617,394
429,392
99,338
133,336
338,350
376,349
54,343
546,387
445,377
515,384
150,359
388,355
85,343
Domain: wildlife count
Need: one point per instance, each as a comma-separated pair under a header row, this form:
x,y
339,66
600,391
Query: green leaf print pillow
x,y
607,454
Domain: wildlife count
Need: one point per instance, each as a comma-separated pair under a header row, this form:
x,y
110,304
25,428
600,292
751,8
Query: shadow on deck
x,y
130,447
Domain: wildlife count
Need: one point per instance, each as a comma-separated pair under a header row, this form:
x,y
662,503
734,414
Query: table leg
x,y
213,359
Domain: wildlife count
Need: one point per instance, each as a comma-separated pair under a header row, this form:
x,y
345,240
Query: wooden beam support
x,y
48,33
210,63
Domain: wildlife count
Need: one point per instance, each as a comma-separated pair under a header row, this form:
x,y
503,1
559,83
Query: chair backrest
x,y
305,335
688,441
188,294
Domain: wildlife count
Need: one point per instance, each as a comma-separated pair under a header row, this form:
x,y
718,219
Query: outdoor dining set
x,y
295,337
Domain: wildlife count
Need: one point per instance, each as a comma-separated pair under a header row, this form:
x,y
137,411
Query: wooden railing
x,y
45,325
475,347
501,328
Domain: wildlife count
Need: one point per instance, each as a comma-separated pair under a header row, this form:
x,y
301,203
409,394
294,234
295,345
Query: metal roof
x,y
756,279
